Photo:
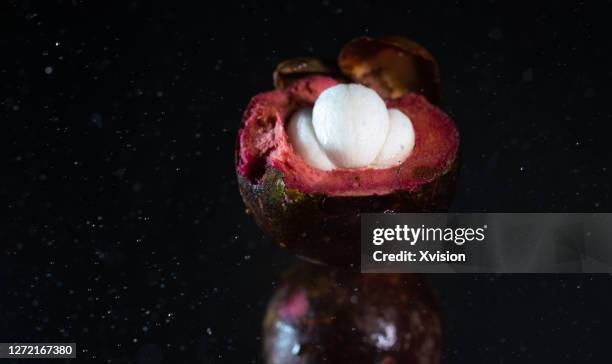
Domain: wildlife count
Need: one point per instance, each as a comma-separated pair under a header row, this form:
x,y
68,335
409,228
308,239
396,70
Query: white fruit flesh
x,y
351,124
399,142
302,137
350,127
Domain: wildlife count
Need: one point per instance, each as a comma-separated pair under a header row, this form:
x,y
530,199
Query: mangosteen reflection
x,y
322,315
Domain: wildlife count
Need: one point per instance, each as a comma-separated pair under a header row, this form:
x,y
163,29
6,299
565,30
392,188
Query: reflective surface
x,y
125,231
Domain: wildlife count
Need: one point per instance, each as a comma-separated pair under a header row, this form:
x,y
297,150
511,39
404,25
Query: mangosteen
x,y
330,144
333,316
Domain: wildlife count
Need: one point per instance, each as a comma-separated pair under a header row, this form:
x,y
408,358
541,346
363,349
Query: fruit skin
x,y
319,315
327,229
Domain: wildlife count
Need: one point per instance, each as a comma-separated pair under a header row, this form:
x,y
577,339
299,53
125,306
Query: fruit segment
x,y
399,142
351,123
303,139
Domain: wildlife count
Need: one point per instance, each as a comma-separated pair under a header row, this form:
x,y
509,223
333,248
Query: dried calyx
x,y
393,66
351,127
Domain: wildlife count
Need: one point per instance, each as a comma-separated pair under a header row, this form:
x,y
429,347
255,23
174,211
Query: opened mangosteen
x,y
332,143
331,316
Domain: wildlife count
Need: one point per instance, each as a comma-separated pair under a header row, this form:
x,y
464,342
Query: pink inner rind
x,y
263,142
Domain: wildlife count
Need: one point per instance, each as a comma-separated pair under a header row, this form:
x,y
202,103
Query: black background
x,y
124,230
